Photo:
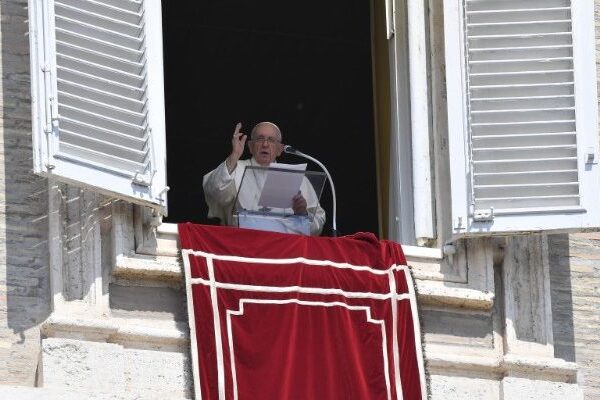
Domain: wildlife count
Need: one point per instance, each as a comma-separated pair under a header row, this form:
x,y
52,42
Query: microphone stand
x,y
290,150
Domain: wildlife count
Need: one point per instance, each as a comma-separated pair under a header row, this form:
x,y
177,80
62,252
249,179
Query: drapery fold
x,y
279,316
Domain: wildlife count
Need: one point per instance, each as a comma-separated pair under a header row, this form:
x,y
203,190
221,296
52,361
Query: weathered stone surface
x,y
575,282
24,277
455,387
107,369
529,389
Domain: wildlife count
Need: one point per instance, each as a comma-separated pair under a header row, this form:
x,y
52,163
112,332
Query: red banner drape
x,y
279,316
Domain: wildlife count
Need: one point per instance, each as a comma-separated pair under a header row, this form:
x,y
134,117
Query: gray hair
x,y
253,133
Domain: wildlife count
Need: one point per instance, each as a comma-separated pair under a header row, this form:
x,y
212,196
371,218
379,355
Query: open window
x,y
97,96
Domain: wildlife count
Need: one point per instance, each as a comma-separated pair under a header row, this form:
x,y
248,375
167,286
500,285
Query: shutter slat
x,y
132,15
512,153
98,159
518,16
101,46
503,28
524,204
521,65
518,116
541,36
107,135
103,121
525,177
489,192
95,57
508,141
513,78
104,147
476,5
110,111
515,103
134,6
102,96
69,25
521,90
109,74
99,83
112,23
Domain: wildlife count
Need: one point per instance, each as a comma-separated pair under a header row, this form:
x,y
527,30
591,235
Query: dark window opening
x,y
305,66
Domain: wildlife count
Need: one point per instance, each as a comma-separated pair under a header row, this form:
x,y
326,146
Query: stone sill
x,y
50,393
131,333
441,359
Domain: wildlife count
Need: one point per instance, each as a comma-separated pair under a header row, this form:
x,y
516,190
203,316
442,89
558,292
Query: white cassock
x,y
220,190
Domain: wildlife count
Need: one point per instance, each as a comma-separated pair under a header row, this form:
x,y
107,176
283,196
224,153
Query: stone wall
x,y
24,283
575,282
575,279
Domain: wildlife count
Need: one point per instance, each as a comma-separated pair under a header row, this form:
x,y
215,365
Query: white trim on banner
x,y
192,321
295,260
417,329
217,326
366,309
395,350
299,289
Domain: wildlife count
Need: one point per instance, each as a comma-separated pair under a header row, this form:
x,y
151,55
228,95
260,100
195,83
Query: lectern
x,y
264,199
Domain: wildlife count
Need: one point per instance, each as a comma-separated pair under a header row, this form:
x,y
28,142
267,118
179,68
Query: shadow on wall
x,y
24,215
562,296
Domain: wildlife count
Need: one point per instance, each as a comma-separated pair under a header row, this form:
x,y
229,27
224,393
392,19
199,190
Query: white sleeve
x,y
313,208
316,225
219,188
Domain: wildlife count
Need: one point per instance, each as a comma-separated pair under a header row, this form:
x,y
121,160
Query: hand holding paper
x,y
282,184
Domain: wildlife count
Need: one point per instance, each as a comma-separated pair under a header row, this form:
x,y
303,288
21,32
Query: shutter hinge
x,y
389,18
484,215
458,225
160,196
590,156
48,131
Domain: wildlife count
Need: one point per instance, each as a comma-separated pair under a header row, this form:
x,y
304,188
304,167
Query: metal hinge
x,y
484,215
389,18
458,224
590,156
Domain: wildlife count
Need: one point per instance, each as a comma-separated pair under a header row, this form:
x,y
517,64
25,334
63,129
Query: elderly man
x,y
221,184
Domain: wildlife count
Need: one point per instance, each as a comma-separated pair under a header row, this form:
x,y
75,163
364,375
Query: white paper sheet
x,y
281,186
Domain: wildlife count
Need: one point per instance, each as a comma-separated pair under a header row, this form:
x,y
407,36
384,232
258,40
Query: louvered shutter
x,y
97,95
522,111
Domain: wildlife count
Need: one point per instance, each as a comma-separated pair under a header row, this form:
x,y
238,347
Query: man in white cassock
x,y
221,184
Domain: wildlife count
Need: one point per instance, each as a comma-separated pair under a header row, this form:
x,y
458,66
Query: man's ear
x,y
248,142
279,149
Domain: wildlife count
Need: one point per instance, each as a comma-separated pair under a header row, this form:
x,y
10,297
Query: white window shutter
x,y
97,95
522,114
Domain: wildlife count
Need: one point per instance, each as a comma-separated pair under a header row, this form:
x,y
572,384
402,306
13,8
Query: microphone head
x,y
289,149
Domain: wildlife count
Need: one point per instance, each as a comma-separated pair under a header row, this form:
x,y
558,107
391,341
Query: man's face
x,y
265,146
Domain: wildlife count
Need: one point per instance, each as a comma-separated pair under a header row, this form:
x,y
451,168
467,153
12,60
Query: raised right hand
x,y
238,141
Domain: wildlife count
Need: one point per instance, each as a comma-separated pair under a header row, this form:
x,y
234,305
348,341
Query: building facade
x,y
91,292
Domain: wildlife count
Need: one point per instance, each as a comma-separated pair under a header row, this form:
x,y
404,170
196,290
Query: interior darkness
x,y
303,65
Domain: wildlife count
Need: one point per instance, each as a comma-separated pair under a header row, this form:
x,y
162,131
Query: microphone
x,y
290,150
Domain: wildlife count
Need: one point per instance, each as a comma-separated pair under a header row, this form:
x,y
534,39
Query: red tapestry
x,y
276,316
